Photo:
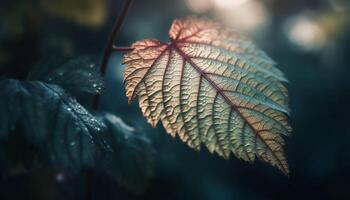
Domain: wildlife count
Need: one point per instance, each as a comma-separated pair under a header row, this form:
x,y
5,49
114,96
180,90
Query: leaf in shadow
x,y
66,134
9,110
17,155
132,162
75,75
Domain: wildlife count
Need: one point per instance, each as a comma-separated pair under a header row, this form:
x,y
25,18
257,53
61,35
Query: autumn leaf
x,y
212,86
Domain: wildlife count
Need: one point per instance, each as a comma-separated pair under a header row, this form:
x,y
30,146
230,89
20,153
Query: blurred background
x,y
309,39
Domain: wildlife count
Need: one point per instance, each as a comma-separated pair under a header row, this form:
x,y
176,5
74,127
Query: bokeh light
x,y
305,33
199,6
228,3
247,16
310,31
243,15
60,177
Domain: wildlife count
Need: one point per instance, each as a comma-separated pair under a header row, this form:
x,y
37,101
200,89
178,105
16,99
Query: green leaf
x,y
9,110
17,155
65,132
132,162
75,75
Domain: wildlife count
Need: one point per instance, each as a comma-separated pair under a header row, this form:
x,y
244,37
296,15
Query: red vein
x,y
163,93
219,90
187,37
149,69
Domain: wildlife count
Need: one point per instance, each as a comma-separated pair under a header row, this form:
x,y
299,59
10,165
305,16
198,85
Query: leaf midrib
x,y
228,101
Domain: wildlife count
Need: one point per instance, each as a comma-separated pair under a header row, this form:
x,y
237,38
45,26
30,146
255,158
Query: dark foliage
x,y
48,122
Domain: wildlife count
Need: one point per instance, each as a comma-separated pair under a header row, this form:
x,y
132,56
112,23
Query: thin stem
x,y
122,49
110,43
118,23
107,52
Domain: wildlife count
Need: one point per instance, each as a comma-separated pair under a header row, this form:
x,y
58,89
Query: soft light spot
x,y
305,33
228,3
244,15
199,6
60,177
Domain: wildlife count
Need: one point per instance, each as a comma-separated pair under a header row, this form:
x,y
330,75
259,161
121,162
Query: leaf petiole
x,y
122,49
110,44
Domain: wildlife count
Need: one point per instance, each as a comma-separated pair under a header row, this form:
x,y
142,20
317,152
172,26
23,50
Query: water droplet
x,y
60,177
94,85
73,143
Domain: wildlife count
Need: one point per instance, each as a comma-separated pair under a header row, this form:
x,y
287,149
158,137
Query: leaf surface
x,y
212,86
75,75
132,161
65,132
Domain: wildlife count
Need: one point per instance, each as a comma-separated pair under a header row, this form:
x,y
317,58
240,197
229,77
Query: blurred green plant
x,y
57,130
19,16
132,163
91,13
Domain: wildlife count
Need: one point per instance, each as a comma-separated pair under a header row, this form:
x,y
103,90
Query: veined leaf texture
x,y
63,131
212,86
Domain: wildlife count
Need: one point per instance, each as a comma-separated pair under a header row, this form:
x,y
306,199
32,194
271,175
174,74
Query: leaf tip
x,y
285,169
